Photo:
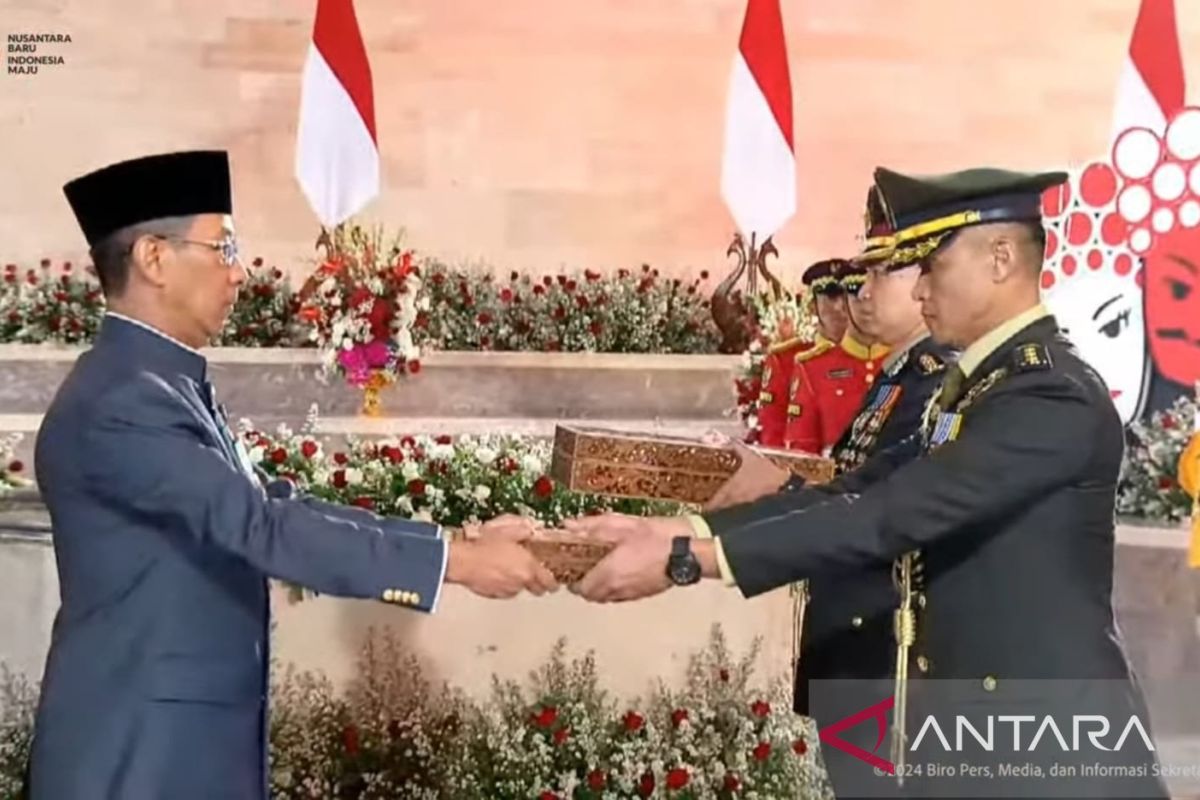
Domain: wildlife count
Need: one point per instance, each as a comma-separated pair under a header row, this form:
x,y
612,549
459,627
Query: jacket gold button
x,y
923,663
416,599
989,683
921,600
389,595
857,622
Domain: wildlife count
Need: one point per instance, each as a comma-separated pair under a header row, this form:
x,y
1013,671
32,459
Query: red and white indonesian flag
x,y
1151,87
337,157
758,174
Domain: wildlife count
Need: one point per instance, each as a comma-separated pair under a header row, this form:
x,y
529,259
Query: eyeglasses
x,y
227,247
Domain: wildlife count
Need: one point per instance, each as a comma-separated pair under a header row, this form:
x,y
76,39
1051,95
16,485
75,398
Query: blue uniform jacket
x,y
156,681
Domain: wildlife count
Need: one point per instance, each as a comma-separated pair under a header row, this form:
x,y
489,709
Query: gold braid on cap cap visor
x,y
877,249
906,256
916,242
822,283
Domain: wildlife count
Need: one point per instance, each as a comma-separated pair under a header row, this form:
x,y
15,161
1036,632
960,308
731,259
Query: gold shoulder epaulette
x,y
778,347
822,346
1031,356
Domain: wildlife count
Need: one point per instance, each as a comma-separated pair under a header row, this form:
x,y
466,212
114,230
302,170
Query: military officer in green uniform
x,y
1002,530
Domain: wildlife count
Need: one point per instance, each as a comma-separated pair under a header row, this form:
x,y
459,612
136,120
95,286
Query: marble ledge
x,y
447,358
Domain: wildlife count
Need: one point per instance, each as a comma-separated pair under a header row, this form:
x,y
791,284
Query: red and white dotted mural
x,y
1123,263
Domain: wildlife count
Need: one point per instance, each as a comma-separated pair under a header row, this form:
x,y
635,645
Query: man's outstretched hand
x,y
637,566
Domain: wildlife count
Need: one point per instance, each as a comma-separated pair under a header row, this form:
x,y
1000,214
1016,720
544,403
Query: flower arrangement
x,y
563,738
11,470
361,303
393,736
265,314
433,478
18,705
774,321
1149,486
49,304
632,312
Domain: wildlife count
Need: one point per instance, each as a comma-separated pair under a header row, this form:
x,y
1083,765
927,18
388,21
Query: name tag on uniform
x,y
845,372
946,428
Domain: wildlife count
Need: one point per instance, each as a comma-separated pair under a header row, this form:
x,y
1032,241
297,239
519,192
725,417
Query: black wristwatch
x,y
682,567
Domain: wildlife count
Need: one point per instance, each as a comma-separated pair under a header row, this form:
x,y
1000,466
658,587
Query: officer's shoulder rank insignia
x,y
1031,356
929,364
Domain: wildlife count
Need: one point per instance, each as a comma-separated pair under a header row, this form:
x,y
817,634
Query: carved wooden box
x,y
568,556
656,467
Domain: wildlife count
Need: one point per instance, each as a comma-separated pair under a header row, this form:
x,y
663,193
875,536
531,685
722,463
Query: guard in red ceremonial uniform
x,y
828,381
828,306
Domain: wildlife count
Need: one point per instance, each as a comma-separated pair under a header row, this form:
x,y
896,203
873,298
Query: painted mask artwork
x,y
1091,283
1123,260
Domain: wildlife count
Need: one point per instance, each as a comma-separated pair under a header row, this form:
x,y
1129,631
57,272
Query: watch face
x,y
684,570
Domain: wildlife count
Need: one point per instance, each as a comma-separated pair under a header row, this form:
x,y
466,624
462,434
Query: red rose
x,y
1166,482
543,487
16,466
484,318
723,675
339,479
581,301
548,796
279,455
546,717
633,721
258,262
732,784
340,459
408,442
506,295
416,487
561,735
597,780
800,747
309,448
560,313
570,286
547,281
277,274
350,739
393,454
1168,422
444,439
760,709
538,289
679,716
596,328
677,778
45,263
703,274
646,785
364,502
508,465
762,752
414,366
645,267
